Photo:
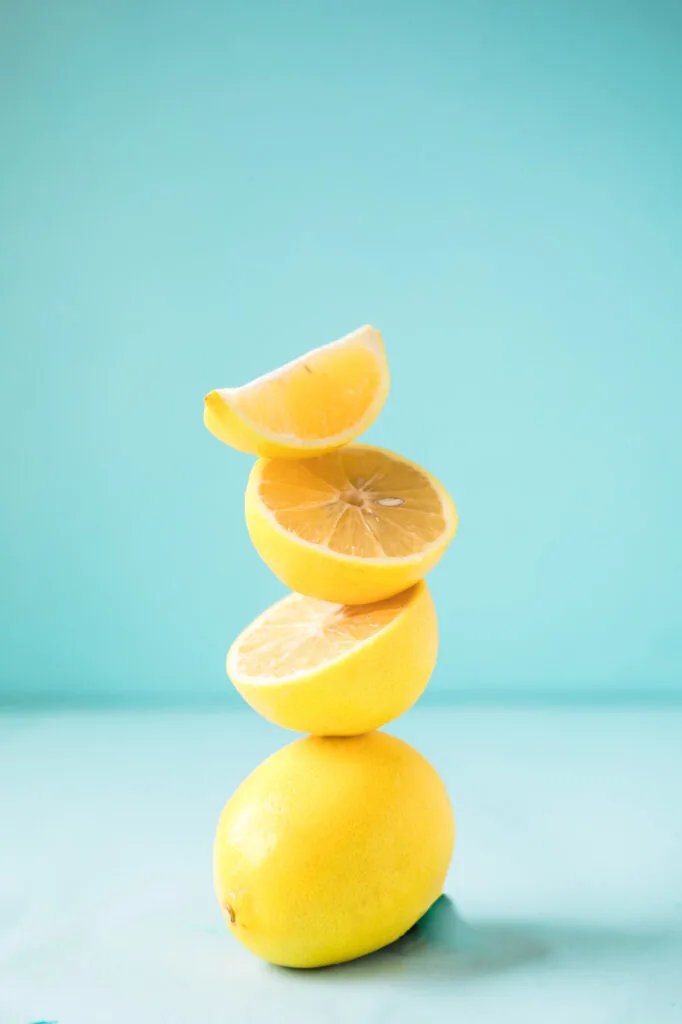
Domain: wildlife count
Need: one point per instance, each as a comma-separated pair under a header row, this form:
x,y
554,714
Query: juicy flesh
x,y
301,633
318,397
356,501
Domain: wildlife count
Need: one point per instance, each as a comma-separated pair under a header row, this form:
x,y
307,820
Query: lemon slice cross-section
x,y
353,526
336,670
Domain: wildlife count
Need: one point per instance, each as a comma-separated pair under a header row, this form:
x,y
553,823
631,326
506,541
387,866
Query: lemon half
x,y
332,848
353,526
314,404
336,670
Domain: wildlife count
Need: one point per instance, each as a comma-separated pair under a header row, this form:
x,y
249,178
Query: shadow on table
x,y
442,947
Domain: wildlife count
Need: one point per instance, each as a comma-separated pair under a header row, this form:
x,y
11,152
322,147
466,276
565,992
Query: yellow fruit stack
x,y
338,843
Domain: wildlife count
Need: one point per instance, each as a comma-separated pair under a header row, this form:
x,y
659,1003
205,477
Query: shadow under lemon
x,y
444,948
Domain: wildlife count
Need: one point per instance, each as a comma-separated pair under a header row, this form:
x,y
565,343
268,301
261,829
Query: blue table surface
x,y
563,904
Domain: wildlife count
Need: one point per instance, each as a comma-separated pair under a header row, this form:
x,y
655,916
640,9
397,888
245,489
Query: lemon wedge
x,y
310,406
353,526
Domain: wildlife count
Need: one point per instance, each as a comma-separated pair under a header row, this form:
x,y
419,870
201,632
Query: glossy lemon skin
x,y
332,848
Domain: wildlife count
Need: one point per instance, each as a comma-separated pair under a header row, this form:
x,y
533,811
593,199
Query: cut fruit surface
x,y
337,670
316,403
353,526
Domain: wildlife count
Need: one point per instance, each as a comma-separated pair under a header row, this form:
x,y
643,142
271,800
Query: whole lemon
x,y
332,848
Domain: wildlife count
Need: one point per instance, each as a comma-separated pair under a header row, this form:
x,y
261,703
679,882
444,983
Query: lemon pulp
x,y
302,633
358,501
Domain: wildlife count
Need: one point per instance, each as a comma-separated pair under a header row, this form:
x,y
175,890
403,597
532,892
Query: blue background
x,y
193,193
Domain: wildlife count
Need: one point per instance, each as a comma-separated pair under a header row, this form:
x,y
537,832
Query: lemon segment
x,y
332,848
337,670
354,526
316,403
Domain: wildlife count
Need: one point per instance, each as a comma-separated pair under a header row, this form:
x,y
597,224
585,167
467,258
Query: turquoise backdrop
x,y
194,192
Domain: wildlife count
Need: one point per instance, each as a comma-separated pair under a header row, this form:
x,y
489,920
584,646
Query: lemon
x,y
336,670
332,848
314,404
353,526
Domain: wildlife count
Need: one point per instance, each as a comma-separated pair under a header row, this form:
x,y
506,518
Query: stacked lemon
x,y
339,842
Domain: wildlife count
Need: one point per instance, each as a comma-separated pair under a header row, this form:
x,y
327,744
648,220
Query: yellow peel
x,y
332,848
